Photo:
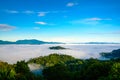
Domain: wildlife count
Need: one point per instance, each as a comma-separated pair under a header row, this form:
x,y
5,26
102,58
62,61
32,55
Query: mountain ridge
x,y
28,41
35,41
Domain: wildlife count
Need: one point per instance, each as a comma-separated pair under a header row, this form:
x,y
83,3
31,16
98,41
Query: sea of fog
x,y
14,53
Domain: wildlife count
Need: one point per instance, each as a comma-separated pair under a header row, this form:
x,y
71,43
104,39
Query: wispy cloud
x,y
97,19
42,13
45,23
28,12
12,11
36,28
39,13
41,23
15,11
6,27
70,4
92,21
104,33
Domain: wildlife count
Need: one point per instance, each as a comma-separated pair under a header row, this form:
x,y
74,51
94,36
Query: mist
x,y
14,53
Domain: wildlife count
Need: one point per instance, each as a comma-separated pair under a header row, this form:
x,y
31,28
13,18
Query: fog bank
x,y
14,53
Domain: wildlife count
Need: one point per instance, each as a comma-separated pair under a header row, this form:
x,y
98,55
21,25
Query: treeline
x,y
51,60
57,48
18,71
63,67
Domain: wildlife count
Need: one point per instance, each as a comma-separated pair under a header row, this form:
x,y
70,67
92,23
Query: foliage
x,y
51,60
57,72
57,47
62,67
18,71
6,71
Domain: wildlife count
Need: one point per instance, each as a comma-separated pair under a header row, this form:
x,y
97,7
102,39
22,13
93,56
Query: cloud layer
x,y
25,52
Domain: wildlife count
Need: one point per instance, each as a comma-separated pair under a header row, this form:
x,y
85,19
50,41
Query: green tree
x,y
57,72
115,72
22,67
22,70
7,71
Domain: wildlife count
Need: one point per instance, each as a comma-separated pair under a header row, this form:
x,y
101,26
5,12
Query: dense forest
x,y
57,47
62,67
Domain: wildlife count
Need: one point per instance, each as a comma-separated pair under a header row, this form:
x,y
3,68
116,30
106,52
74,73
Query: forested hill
x,y
62,67
26,41
113,54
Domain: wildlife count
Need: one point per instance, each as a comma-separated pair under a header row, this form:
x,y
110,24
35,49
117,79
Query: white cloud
x,y
98,19
12,11
15,11
41,14
46,12
84,21
36,28
92,21
28,12
6,27
70,4
42,23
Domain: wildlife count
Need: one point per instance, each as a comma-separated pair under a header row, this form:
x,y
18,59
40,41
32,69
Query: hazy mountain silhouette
x,y
28,41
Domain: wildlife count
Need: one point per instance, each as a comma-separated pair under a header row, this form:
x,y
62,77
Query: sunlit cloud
x,y
70,4
45,23
41,23
6,27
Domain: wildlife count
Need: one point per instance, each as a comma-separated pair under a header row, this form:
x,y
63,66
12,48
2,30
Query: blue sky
x,y
60,20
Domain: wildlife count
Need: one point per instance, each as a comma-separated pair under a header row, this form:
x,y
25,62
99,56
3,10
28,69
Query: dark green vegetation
x,y
18,71
31,41
63,67
51,60
57,47
114,54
